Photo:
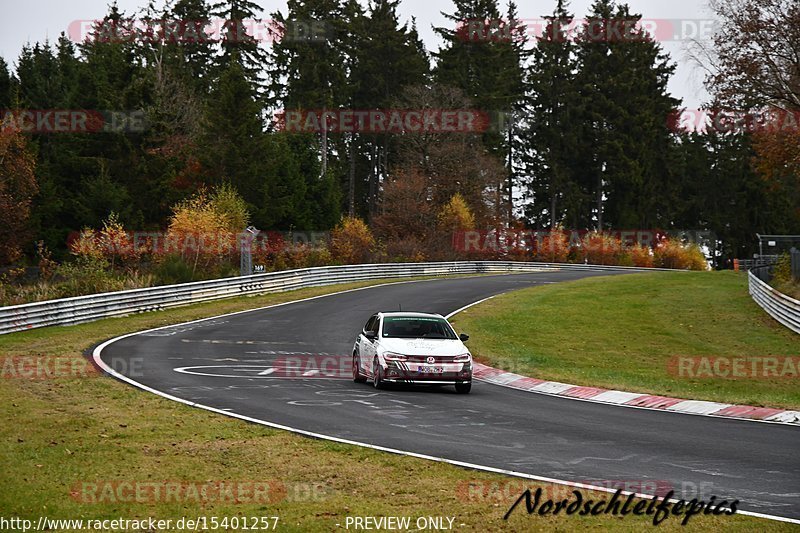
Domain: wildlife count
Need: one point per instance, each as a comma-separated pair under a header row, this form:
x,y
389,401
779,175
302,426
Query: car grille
x,y
424,359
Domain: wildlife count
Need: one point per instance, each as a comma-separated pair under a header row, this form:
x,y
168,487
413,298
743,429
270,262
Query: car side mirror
x,y
464,337
371,335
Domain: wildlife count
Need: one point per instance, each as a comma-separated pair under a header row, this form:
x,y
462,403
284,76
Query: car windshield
x,y
415,327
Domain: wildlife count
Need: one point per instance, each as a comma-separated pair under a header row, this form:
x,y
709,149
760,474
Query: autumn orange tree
x,y
111,244
17,189
116,243
351,241
755,68
552,246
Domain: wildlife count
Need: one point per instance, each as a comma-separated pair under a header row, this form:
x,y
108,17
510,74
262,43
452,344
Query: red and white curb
x,y
634,399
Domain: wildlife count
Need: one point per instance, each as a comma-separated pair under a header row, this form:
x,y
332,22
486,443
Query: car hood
x,y
444,347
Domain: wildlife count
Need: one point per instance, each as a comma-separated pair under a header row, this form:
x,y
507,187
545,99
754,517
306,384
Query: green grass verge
x,y
60,432
621,332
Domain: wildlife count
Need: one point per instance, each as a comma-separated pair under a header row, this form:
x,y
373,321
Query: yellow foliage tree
x,y
204,228
454,218
351,241
115,243
87,245
456,215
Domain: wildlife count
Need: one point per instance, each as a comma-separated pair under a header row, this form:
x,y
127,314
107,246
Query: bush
x,y
552,247
304,256
230,207
87,275
271,251
453,219
47,266
782,273
318,256
86,245
598,248
642,256
351,241
674,254
111,243
782,279
696,259
172,269
207,226
410,250
116,244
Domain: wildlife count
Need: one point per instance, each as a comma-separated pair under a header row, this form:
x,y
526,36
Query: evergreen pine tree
x,y
5,85
623,77
552,129
237,42
385,57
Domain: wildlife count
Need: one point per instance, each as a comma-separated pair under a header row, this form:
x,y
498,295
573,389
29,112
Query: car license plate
x,y
430,369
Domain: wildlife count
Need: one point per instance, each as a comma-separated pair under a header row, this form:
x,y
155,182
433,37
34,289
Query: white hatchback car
x,y
412,348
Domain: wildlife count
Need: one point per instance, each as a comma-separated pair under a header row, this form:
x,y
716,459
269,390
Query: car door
x,y
366,348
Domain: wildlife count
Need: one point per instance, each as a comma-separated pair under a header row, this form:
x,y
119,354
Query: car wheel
x,y
377,375
463,388
357,377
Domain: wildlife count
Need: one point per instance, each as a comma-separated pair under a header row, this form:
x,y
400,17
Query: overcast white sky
x,y
37,20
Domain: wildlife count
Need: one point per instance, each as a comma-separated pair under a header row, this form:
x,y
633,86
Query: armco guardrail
x,y
95,306
782,308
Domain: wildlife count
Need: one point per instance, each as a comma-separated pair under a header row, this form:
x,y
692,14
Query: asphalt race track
x,y
234,363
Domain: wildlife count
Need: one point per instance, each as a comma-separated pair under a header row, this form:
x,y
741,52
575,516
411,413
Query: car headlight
x,y
463,358
394,356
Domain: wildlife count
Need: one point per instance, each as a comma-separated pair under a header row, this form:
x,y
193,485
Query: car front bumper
x,y
405,373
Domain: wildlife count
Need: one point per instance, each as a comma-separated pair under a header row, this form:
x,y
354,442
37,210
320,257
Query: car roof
x,y
410,314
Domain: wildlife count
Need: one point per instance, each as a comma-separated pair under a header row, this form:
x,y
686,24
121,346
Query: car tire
x,y
357,377
464,388
377,375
